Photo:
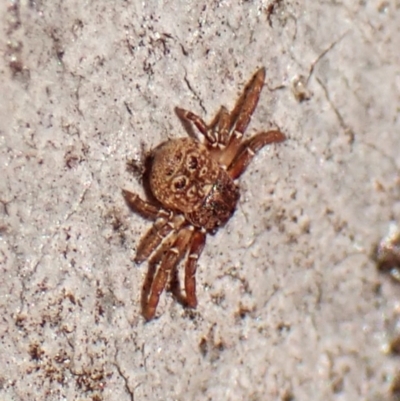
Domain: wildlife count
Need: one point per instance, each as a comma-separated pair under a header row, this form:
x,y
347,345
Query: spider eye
x,y
179,183
192,162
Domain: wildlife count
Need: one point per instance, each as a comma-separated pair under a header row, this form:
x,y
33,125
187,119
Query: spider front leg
x,y
197,243
169,260
241,115
152,239
245,106
196,247
250,148
152,268
145,209
161,228
220,127
197,121
217,133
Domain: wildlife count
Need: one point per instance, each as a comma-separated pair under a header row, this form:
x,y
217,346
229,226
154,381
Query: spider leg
x,y
153,263
250,148
145,209
152,239
220,126
196,246
217,133
168,261
198,122
161,229
245,106
241,115
175,286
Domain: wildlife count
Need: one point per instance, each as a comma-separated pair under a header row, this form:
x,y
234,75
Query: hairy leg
x,y
145,209
249,148
241,115
220,127
196,247
169,260
153,264
161,229
197,121
188,298
217,133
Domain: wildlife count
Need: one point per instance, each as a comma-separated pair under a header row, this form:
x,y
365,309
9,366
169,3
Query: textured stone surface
x,y
290,303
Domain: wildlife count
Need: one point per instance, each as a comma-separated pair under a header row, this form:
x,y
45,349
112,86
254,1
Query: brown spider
x,y
193,183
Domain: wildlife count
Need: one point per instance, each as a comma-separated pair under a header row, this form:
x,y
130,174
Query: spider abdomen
x,y
182,173
184,177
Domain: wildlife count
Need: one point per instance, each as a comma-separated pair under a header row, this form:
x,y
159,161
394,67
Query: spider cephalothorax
x,y
193,181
